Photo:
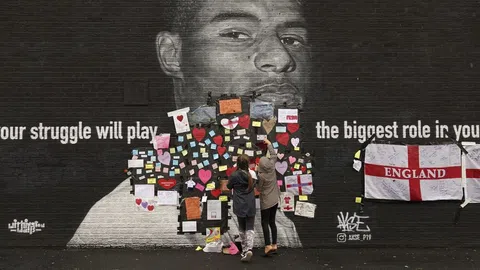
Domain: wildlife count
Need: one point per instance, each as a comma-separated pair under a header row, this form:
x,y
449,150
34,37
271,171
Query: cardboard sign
x,y
229,106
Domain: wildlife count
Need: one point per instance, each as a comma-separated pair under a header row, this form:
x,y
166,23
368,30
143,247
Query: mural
x,y
121,122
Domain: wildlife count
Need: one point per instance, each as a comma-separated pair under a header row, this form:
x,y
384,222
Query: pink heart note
x,y
281,167
292,159
280,155
164,158
204,175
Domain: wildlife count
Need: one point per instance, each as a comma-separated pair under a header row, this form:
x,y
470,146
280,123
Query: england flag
x,y
413,172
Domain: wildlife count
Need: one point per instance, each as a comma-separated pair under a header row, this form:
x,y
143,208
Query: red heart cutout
x,y
282,138
138,201
221,150
198,133
218,140
244,121
167,183
292,128
261,145
150,207
304,169
179,118
231,170
216,192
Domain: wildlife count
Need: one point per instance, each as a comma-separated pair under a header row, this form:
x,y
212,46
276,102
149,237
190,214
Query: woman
x,y
244,204
269,197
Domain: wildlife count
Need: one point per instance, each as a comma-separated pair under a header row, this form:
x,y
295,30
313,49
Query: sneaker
x,y
247,257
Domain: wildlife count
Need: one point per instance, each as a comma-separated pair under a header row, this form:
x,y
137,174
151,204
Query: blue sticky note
x,y
207,141
157,164
150,152
213,146
135,152
172,173
175,162
179,148
193,144
180,138
215,156
206,162
195,154
226,156
212,133
275,145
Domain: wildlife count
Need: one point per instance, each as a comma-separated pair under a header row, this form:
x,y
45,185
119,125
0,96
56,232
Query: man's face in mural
x,y
238,47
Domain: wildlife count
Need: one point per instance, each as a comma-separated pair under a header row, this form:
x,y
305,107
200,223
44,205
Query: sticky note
x,y
303,198
236,137
171,173
200,165
231,149
184,152
275,145
222,168
214,166
227,131
135,152
199,187
211,133
309,171
179,148
215,156
206,162
279,183
240,151
149,166
246,138
195,154
189,136
223,198
207,141
296,166
227,138
172,150
194,162
151,180
226,156
165,170
259,152
281,129
149,171
256,124
139,171
205,155
175,162
248,145
193,144
202,150
177,171
211,186
153,158
309,165
357,155
192,171
241,132
182,165
150,153
296,148
261,137
213,146
180,138
358,199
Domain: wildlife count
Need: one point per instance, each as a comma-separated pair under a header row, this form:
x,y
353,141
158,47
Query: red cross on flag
x,y
472,173
413,172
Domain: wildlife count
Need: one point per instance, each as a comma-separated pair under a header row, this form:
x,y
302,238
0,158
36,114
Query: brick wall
x,y
379,62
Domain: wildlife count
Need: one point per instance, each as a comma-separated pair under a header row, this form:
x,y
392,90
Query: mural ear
x,y
169,47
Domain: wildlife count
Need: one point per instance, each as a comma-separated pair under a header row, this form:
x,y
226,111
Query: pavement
x,y
338,258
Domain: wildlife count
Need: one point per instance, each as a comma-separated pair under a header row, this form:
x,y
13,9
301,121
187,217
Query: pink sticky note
x,y
279,182
199,187
182,165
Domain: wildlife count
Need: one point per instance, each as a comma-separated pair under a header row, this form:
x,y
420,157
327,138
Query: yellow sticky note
x,y
296,148
309,172
256,124
248,144
231,149
303,198
358,199
189,136
240,151
222,168
211,185
202,150
184,152
172,150
357,155
151,180
227,131
177,171
223,198
227,138
297,166
149,166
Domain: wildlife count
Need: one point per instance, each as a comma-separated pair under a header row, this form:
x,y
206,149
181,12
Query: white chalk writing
x,y
352,223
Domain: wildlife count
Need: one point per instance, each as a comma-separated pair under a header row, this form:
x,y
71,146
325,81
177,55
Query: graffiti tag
x,y
24,226
353,228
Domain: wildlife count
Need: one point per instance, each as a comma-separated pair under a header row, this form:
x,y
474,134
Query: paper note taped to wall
x,y
135,163
229,106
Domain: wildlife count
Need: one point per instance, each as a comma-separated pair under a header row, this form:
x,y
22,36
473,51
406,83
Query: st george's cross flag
x,y
413,172
472,173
